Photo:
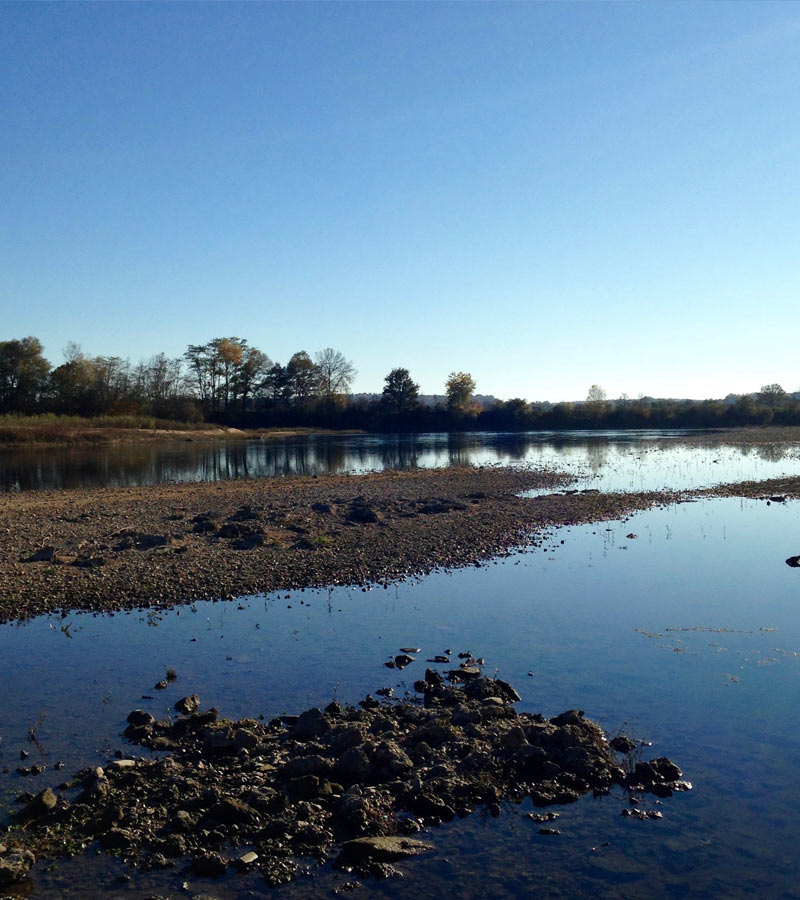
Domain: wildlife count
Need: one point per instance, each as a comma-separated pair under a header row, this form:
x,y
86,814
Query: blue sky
x,y
546,195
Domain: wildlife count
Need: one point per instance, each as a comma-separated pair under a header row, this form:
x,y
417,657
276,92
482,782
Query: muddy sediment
x,y
356,785
160,545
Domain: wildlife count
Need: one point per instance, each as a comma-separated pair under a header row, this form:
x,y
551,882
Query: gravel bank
x,y
160,545
248,795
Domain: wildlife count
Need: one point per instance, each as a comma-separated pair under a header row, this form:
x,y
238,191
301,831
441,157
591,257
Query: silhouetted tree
x,y
301,379
400,393
23,374
772,395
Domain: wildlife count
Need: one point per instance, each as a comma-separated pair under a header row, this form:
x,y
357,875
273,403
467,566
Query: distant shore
x,y
61,431
35,431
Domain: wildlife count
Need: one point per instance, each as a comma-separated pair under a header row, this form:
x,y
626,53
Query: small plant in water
x,y
33,732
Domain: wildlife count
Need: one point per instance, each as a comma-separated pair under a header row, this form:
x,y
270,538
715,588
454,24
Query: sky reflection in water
x,y
687,636
628,461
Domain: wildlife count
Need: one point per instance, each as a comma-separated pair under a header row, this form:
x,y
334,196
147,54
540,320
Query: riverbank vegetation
x,y
229,383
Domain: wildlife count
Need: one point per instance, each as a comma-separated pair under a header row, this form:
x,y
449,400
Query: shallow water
x,y
613,460
687,636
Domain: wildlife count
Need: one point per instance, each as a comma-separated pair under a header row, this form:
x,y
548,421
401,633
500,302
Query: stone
x,y
311,723
361,512
139,717
15,866
186,706
622,744
570,717
307,765
41,804
43,554
379,849
354,764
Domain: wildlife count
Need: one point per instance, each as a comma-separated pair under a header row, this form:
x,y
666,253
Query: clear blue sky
x,y
545,195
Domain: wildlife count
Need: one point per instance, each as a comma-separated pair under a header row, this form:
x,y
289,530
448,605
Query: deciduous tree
x,y
23,374
400,393
460,387
335,373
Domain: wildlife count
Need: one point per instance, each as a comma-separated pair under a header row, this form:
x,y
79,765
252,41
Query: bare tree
x,y
335,373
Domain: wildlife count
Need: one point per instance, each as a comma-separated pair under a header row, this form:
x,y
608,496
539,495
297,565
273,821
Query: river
x,y
686,635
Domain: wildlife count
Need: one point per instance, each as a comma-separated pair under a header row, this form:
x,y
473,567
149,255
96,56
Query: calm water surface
x,y
629,460
687,636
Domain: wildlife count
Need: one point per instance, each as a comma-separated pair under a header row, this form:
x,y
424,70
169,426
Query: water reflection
x,y
659,635
635,460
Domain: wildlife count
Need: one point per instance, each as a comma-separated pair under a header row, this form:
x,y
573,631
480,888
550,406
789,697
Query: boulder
x,y
379,849
311,723
186,706
15,866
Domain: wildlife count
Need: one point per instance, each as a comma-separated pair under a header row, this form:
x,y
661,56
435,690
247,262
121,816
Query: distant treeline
x,y
228,381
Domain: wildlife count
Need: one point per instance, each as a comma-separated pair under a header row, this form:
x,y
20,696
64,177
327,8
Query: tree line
x,y
229,381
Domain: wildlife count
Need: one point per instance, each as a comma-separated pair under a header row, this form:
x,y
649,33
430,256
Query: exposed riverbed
x,y
678,626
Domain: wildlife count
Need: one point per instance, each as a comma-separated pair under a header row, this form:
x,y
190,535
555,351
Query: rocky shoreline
x,y
161,545
356,785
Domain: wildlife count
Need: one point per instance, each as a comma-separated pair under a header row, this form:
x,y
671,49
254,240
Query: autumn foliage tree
x,y
460,387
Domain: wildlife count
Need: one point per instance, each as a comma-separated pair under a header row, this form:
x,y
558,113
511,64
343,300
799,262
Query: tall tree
x,y
772,395
460,387
335,373
249,373
23,374
301,378
275,385
400,393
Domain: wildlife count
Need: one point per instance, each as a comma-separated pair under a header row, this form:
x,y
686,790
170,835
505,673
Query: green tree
x,y
771,395
460,387
301,379
23,374
400,393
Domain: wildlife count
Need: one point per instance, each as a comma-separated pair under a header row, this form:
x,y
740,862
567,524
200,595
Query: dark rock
x,y
139,717
622,744
116,839
300,766
354,765
210,865
402,660
249,541
793,561
244,514
146,541
186,706
43,554
311,723
570,717
230,811
464,673
656,771
39,806
361,512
